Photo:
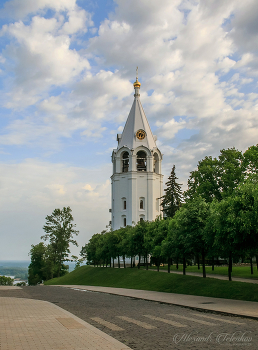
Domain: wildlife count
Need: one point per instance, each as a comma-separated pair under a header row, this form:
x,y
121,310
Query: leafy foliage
x,y
48,261
6,281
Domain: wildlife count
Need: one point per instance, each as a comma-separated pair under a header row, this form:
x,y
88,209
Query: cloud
x,y
32,189
42,57
20,9
197,65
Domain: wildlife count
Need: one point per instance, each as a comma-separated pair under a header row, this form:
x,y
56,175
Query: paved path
x,y
229,306
28,324
211,275
139,324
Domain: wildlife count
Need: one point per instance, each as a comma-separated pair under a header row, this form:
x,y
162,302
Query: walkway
x,y
220,305
211,275
28,324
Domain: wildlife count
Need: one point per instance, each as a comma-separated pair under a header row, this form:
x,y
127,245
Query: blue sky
x,y
67,69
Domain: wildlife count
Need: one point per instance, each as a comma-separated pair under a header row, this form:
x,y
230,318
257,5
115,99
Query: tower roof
x,y
132,135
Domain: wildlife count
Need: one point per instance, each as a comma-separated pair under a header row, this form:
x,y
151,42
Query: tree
x,y
88,252
216,178
156,232
250,162
173,197
204,181
194,223
59,230
137,239
36,267
6,281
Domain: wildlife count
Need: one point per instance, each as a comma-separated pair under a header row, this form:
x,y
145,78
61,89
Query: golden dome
x,y
137,83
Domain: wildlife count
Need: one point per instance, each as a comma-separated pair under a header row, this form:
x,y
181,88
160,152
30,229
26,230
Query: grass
x,y
237,271
161,282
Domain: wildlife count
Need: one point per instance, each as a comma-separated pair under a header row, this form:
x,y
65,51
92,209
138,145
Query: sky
x,y
67,69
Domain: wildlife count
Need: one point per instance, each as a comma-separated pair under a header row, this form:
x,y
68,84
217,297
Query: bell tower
x,y
137,182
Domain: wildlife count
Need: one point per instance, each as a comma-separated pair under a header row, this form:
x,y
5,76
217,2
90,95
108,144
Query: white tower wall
x,y
139,183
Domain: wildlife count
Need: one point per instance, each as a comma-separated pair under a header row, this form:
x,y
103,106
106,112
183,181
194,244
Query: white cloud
x,y
20,9
195,60
33,189
42,56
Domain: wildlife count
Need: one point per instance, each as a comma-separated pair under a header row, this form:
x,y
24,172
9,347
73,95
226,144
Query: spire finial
x,y
137,84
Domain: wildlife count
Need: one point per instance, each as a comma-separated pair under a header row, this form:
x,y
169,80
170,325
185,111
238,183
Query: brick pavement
x,y
220,305
125,319
27,324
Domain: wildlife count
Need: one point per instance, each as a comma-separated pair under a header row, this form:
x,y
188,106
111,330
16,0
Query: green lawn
x,y
237,271
161,282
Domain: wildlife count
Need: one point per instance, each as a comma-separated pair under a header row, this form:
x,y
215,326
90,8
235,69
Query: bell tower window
x,y
124,204
125,162
141,161
156,163
124,222
142,203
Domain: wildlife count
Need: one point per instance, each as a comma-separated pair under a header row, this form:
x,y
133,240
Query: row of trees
x,y
48,260
216,217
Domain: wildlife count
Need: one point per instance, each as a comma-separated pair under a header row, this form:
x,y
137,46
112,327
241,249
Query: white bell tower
x,y
137,183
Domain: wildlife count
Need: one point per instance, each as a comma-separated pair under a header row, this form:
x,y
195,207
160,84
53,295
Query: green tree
x,y
205,181
137,239
173,197
59,230
156,232
177,236
88,251
37,265
6,281
250,162
194,224
216,178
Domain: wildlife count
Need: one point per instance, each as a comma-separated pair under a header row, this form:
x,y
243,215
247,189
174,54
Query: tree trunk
x,y
113,263
139,261
251,264
147,264
124,261
131,262
212,263
256,257
230,267
118,261
183,265
203,265
198,261
177,263
169,262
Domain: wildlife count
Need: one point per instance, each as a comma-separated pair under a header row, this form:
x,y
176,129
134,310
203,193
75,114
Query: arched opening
x,y
142,204
141,161
142,218
156,163
125,162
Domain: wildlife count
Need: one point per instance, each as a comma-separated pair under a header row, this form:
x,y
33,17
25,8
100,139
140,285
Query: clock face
x,y
140,134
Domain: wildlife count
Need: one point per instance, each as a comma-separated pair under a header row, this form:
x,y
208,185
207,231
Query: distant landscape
x,y
19,268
